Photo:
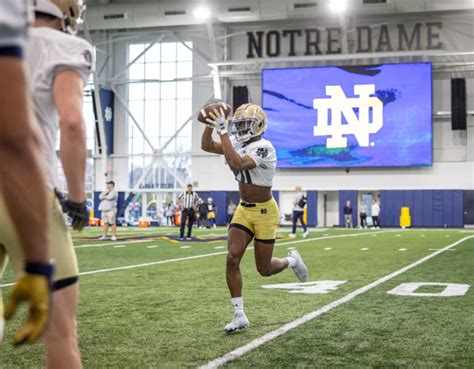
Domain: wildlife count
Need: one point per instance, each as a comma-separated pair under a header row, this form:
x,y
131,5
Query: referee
x,y
187,200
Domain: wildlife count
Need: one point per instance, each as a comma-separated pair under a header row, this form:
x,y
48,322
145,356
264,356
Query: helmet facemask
x,y
245,128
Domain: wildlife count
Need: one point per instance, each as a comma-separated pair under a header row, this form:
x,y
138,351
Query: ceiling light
x,y
202,12
338,6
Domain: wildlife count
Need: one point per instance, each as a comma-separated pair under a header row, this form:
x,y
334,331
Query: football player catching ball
x,y
253,162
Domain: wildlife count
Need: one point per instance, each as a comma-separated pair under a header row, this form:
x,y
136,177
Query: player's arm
x,y
235,161
68,95
23,189
208,144
111,195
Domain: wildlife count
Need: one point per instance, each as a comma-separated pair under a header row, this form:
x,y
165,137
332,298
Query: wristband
x,y
36,268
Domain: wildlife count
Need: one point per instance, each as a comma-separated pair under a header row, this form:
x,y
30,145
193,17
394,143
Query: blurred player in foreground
x,y
59,66
23,193
253,161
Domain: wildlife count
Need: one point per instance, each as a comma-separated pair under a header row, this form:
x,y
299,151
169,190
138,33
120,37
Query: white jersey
x,y
264,155
48,53
15,17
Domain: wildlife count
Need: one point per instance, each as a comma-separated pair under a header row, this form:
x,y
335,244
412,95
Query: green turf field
x,y
148,302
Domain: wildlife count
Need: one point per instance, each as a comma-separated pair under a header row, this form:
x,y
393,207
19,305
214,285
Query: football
x,y
206,109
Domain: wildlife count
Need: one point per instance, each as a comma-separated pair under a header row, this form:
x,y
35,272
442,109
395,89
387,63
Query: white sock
x,y
291,261
237,304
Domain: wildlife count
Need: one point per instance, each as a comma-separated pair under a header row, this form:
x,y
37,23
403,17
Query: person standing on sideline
x,y
187,200
202,214
363,215
299,204
108,207
211,212
231,207
348,214
169,215
375,214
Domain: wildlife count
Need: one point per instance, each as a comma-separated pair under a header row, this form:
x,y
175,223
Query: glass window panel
x,y
135,50
168,71
152,70
168,51
153,54
161,118
184,90
184,69
152,91
137,145
152,119
168,117
136,108
184,54
147,149
136,91
187,130
136,71
168,90
184,111
183,144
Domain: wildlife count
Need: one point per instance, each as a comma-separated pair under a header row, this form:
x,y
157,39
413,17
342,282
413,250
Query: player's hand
x,y
34,287
218,121
78,212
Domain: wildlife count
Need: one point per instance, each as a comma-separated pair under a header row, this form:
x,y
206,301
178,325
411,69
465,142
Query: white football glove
x,y
218,121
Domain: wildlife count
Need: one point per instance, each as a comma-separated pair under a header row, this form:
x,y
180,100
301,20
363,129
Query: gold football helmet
x,y
249,121
71,12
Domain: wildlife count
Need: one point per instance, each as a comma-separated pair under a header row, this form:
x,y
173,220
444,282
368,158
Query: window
x,y
160,100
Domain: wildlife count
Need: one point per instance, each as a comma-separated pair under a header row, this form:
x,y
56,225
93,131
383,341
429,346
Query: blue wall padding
x,y
234,196
429,208
458,208
276,196
344,196
107,102
121,203
312,208
204,195
220,198
96,204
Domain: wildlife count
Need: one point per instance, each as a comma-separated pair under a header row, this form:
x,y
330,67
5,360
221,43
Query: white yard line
x,y
196,256
239,352
111,243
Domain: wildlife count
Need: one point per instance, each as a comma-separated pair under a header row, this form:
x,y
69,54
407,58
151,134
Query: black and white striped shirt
x,y
188,199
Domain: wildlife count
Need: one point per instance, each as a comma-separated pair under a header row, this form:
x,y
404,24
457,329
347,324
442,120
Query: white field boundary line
x,y
239,352
111,243
200,256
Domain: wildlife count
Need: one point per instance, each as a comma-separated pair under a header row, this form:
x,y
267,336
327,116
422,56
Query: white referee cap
x,y
47,7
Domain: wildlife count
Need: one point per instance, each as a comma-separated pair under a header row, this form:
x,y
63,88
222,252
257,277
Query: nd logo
x,y
338,103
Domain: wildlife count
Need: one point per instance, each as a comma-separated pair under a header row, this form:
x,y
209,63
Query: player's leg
x,y
237,243
113,222
303,224
295,223
238,239
190,223
265,218
182,223
266,264
60,338
3,264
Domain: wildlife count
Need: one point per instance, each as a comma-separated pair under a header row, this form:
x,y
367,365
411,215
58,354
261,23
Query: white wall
x,y
453,151
452,167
